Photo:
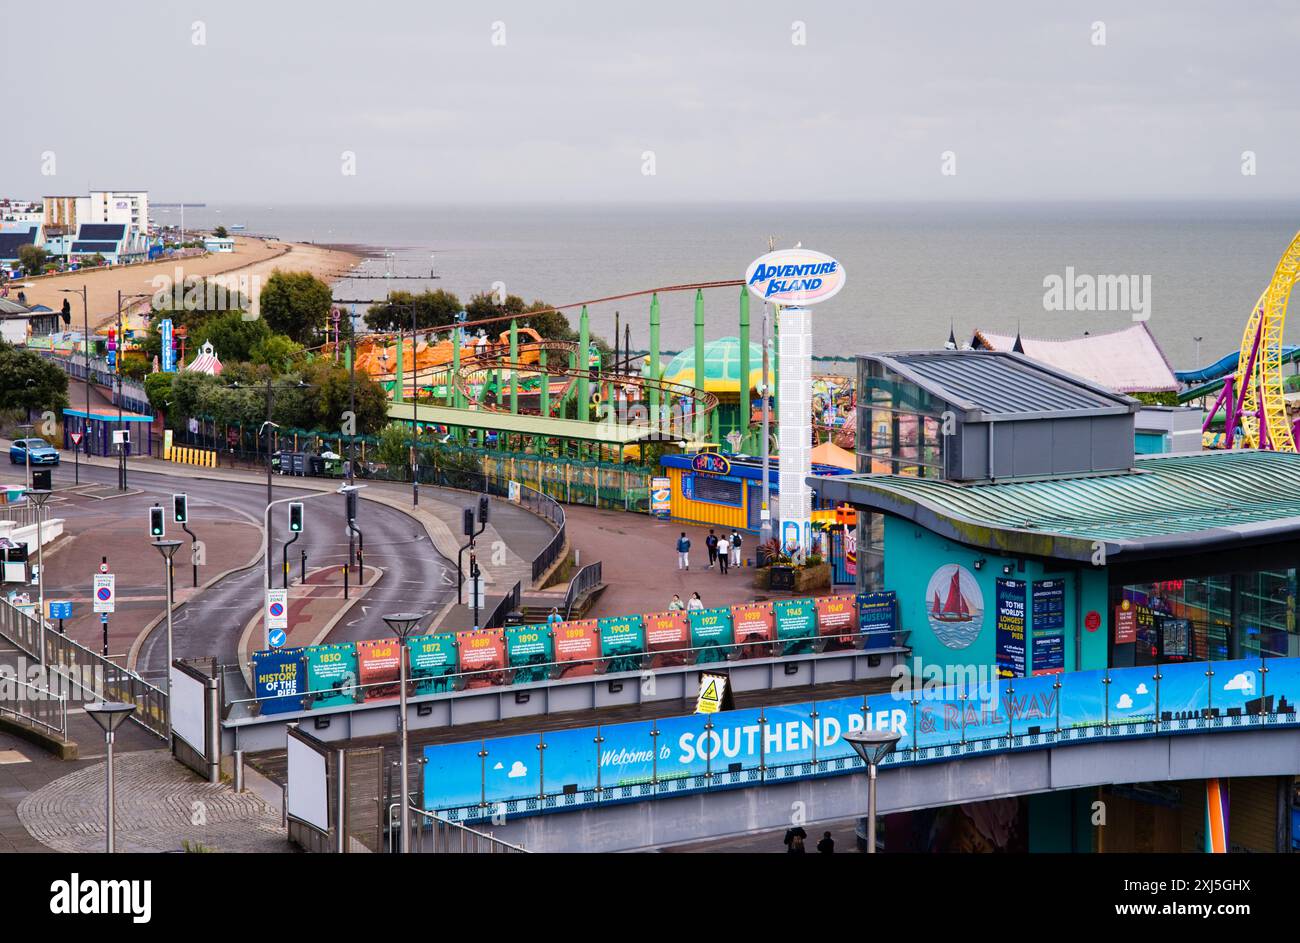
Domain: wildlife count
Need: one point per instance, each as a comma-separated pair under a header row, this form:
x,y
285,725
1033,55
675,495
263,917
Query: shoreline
x,y
253,257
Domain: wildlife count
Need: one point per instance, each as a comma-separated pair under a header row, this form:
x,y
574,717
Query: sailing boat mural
x,y
954,606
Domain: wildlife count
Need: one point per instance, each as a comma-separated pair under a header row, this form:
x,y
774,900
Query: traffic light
x,y
180,508
468,526
352,506
483,505
295,516
156,529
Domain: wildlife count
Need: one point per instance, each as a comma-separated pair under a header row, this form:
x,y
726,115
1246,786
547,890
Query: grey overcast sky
x,y
732,109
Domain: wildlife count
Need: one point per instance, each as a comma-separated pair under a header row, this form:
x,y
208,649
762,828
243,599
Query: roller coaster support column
x,y
399,381
514,372
697,413
584,365
742,418
654,360
544,390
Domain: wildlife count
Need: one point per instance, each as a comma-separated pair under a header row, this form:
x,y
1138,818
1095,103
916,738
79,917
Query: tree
x,y
31,258
393,448
295,304
29,382
231,336
432,309
220,232
275,351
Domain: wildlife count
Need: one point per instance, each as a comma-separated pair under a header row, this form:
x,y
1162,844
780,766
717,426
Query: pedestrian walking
x,y
554,617
735,547
696,602
827,845
724,554
794,839
677,604
711,542
683,552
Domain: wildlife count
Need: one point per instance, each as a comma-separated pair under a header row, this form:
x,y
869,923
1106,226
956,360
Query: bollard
x,y
239,771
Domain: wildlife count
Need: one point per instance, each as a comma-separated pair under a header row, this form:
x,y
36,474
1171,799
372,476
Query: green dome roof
x,y
721,366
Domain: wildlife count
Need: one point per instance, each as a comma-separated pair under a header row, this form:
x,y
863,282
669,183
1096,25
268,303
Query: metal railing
x,y
583,581
429,682
36,706
95,676
434,834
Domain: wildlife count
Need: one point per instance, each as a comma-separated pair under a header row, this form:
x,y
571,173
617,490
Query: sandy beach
x,y
252,257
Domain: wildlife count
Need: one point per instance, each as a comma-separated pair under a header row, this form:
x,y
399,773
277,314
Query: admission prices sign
x,y
795,277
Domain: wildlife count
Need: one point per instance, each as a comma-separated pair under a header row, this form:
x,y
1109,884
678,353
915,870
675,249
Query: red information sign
x,y
578,642
378,668
1125,623
837,617
483,651
1092,621
752,625
666,635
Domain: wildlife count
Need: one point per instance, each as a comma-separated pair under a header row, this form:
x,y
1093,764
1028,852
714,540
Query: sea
x,y
915,272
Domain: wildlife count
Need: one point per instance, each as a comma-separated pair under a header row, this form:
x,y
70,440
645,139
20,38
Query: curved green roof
x,y
721,366
1171,503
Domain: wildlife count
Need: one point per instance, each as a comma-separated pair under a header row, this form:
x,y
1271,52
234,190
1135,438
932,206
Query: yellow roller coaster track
x,y
1267,321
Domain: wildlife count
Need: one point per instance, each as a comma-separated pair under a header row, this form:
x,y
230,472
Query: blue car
x,y
41,452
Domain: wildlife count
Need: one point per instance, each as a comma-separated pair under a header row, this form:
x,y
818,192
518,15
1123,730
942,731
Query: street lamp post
x,y
168,550
38,497
109,715
873,746
85,350
403,624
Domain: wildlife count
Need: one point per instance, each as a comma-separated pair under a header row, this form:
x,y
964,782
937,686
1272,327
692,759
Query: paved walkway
x,y
638,557
161,805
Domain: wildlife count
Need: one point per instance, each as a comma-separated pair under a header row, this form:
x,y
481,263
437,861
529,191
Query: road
x,y
415,577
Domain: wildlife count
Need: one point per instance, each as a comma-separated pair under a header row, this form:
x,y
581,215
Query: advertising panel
x,y
483,652
753,627
680,765
837,621
1083,699
878,617
331,674
278,681
1125,623
1010,625
453,776
711,630
432,662
577,646
667,636
1031,705
378,665
661,490
569,766
789,739
627,758
512,768
530,651
796,625
622,641
1048,626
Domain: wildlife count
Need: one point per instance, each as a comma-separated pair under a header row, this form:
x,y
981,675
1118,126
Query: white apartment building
x,y
120,206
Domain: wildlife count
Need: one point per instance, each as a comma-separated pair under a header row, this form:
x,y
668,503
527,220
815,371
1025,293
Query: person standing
x,y
794,839
711,543
683,552
827,845
735,547
724,554
554,618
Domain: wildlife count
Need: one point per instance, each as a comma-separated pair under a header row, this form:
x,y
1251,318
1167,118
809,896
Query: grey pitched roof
x,y
1001,384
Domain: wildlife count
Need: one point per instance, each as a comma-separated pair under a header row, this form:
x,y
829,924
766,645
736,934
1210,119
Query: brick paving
x,y
160,806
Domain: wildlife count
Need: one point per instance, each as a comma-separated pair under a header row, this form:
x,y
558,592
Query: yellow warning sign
x,y
713,688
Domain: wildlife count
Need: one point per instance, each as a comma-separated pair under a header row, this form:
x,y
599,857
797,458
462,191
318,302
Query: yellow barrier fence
x,y
185,455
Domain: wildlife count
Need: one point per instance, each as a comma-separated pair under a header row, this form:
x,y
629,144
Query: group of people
x,y
796,836
723,550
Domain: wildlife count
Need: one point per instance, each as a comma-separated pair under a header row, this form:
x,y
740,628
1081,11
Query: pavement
x,y
638,557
